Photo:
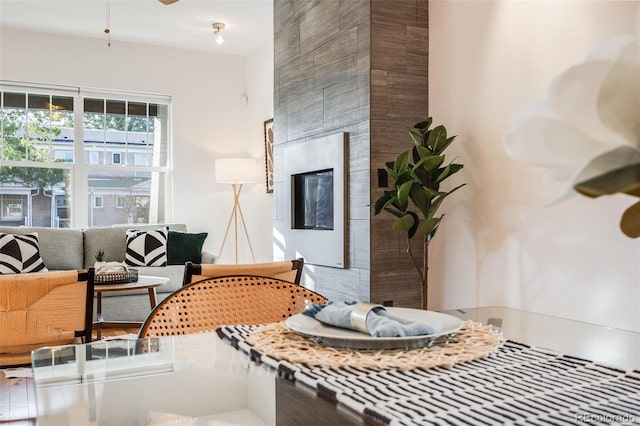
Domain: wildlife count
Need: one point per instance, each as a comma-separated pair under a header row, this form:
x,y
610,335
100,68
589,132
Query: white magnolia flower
x,y
587,131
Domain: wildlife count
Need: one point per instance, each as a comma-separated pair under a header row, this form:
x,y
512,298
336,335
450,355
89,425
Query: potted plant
x,y
99,256
103,267
416,195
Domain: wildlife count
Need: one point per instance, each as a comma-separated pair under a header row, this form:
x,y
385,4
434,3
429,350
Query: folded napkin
x,y
379,323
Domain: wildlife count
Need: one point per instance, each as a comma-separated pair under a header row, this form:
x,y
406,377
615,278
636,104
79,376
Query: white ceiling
x,y
185,24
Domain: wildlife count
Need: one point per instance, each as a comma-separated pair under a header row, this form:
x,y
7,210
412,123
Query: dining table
x,y
544,370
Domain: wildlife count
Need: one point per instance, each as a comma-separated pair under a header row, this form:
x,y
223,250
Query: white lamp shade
x,y
236,170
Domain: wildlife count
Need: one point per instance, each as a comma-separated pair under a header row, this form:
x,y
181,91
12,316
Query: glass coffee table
x,y
145,282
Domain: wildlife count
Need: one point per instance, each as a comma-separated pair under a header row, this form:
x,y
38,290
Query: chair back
x,y
213,302
288,270
43,309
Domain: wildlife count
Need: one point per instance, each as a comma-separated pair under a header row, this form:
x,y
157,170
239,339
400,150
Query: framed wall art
x,y
268,154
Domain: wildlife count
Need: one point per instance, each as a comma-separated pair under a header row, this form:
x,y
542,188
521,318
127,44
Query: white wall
x,y
209,119
499,244
259,78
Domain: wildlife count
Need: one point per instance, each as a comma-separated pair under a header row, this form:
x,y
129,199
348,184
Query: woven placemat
x,y
472,341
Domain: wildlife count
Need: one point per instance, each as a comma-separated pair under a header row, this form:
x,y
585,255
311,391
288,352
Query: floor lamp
x,y
236,171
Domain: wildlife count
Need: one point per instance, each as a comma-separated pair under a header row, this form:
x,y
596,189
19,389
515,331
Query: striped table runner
x,y
518,385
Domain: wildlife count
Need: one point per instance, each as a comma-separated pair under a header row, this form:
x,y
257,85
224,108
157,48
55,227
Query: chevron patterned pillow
x,y
20,253
147,248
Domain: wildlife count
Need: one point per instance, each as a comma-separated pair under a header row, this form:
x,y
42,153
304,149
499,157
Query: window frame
x,y
96,204
120,202
119,156
78,170
5,204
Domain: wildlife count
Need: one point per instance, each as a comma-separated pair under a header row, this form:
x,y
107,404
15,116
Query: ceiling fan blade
x,y
167,2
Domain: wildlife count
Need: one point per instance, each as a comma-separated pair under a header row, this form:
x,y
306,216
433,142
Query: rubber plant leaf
x,y
422,177
403,177
381,203
420,199
402,162
391,172
431,162
403,194
405,223
450,170
429,225
396,213
422,151
443,145
437,134
435,204
424,124
416,137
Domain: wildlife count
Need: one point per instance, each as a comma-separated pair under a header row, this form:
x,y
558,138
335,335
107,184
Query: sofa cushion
x,y
61,249
20,253
183,247
113,240
147,248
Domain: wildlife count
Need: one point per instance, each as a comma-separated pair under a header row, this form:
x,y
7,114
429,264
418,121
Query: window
x,y
11,207
13,210
142,159
66,156
125,142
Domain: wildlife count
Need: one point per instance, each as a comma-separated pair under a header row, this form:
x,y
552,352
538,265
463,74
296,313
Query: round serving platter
x,y
344,338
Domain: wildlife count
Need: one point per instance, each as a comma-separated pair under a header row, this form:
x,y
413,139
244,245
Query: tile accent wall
x,y
356,66
399,99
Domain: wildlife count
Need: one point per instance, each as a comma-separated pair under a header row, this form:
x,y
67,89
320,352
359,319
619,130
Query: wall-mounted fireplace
x,y
312,199
315,185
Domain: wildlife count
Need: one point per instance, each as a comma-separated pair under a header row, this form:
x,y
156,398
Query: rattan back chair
x,y
43,309
288,270
213,302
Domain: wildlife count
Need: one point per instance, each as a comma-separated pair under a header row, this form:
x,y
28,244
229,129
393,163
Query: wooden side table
x,y
144,282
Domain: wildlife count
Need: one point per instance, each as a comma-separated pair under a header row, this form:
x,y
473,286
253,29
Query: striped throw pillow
x,y
20,253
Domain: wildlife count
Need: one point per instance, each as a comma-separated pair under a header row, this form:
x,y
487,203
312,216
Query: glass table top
x,y
200,379
606,345
175,380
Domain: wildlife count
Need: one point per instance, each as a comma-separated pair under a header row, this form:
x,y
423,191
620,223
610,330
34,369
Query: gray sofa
x,y
64,249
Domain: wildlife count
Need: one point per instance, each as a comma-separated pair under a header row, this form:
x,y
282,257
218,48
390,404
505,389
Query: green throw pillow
x,y
184,247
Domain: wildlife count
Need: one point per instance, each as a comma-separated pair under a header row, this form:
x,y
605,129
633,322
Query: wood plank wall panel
x,y
358,66
399,99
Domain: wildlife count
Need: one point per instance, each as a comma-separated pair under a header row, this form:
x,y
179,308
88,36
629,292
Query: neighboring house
x,y
115,196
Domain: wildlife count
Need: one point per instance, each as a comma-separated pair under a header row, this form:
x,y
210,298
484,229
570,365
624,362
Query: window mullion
x,y
80,194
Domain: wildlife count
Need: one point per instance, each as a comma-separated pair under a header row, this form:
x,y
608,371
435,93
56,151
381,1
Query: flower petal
x,y
619,101
616,48
612,172
573,96
560,149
